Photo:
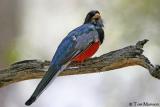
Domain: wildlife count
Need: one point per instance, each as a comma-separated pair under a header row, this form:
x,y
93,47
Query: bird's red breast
x,y
90,51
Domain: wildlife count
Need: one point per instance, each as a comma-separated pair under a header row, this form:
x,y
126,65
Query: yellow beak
x,y
96,16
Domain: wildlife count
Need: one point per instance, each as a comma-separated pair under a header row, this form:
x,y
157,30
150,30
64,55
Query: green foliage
x,y
11,55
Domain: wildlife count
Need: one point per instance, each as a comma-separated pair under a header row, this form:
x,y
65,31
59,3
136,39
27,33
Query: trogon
x,y
80,44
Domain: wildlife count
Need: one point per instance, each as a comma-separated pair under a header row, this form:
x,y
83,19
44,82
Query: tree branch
x,y
128,56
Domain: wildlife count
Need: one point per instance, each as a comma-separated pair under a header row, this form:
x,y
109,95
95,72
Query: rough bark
x,y
128,56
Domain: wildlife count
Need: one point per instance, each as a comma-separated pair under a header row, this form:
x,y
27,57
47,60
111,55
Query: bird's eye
x,y
92,14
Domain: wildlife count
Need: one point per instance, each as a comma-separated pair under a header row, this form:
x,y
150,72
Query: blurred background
x,y
32,29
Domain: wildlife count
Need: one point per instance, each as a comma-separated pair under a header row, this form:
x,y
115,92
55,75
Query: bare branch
x,y
128,56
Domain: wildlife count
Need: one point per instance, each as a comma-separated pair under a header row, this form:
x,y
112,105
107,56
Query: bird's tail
x,y
52,72
30,100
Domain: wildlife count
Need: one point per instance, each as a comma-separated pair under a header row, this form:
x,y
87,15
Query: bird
x,y
80,44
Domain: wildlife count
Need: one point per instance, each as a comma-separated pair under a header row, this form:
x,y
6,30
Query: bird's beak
x,y
97,16
97,20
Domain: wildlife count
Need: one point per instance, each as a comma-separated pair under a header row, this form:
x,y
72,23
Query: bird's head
x,y
94,17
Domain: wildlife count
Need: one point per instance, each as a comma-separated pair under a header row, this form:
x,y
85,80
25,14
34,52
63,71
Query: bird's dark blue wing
x,y
73,44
